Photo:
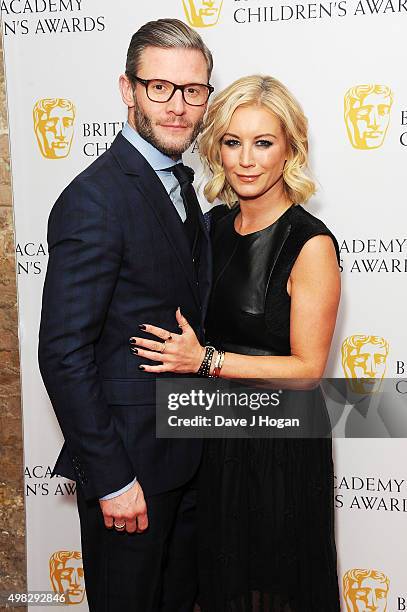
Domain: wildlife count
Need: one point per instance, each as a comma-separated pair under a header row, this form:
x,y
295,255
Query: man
x,y
128,245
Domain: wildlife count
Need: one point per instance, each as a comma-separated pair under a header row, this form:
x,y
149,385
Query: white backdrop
x,y
75,50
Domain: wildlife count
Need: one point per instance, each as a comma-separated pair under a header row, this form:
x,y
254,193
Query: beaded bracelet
x,y
205,367
218,364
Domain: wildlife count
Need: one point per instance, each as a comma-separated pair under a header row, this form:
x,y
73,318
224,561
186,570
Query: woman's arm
x,y
314,286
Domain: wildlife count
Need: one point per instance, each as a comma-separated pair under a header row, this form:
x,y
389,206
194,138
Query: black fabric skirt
x,y
266,526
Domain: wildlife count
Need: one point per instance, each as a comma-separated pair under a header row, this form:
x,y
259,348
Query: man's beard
x,y
145,129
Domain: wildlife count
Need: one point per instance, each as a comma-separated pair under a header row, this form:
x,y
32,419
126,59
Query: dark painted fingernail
x,y
141,367
142,327
133,341
134,350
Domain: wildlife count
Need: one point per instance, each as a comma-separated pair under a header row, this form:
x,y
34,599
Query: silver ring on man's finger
x,y
120,527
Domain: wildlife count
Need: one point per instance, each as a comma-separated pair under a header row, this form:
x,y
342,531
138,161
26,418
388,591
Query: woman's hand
x,y
181,353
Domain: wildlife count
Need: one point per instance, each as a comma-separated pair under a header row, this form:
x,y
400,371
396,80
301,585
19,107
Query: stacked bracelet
x,y
218,364
205,367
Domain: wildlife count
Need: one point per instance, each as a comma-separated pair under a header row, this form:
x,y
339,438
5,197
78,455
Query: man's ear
x,y
127,91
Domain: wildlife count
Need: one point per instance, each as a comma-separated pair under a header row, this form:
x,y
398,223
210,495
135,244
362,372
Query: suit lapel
x,y
155,195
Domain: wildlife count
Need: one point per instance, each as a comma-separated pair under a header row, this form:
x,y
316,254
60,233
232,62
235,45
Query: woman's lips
x,y
247,178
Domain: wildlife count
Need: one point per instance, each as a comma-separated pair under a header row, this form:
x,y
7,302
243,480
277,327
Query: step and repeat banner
x,y
344,61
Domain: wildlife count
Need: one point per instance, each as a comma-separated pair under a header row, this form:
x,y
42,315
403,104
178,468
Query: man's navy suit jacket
x,y
118,257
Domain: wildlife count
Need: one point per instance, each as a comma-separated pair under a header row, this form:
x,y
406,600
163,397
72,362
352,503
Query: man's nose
x,y
177,105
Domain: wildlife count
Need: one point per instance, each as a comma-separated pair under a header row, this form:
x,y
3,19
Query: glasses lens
x,y
196,94
159,91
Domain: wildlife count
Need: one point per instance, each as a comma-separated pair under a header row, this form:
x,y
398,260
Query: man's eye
x,y
159,87
193,91
264,143
230,142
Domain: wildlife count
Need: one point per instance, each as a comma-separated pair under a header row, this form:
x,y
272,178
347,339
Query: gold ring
x,y
163,348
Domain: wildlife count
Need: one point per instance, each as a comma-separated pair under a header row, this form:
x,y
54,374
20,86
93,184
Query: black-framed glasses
x,y
159,90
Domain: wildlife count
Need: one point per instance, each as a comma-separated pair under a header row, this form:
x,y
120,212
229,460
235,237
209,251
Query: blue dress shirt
x,y
158,161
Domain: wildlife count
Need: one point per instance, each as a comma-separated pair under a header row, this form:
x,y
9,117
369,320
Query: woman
x,y
266,505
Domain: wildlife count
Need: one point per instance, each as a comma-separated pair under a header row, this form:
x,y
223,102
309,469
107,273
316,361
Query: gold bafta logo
x,y
365,590
66,575
202,13
367,115
53,126
364,362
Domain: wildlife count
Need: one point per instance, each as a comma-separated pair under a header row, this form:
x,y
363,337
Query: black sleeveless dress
x,y
266,512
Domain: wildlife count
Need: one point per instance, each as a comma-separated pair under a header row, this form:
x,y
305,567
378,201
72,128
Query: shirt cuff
x,y
117,493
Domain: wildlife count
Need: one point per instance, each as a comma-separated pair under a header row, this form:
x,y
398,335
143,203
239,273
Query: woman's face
x,y
253,152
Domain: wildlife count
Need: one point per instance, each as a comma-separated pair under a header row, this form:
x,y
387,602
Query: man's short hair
x,y
164,34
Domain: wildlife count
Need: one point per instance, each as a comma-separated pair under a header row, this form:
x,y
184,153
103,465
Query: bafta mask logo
x,y
367,115
365,590
364,362
53,125
202,13
66,574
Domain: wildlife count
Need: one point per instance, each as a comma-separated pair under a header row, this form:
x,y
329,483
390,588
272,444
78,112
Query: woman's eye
x,y
231,142
264,143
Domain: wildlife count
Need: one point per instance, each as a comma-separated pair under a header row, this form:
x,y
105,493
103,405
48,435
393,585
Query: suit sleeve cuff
x,y
120,491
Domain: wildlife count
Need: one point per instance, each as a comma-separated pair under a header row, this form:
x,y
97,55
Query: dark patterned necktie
x,y
185,177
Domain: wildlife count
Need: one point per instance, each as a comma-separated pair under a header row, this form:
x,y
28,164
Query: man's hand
x,y
129,508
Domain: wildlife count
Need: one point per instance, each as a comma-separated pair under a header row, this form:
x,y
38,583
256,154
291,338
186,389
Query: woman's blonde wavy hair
x,y
265,91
